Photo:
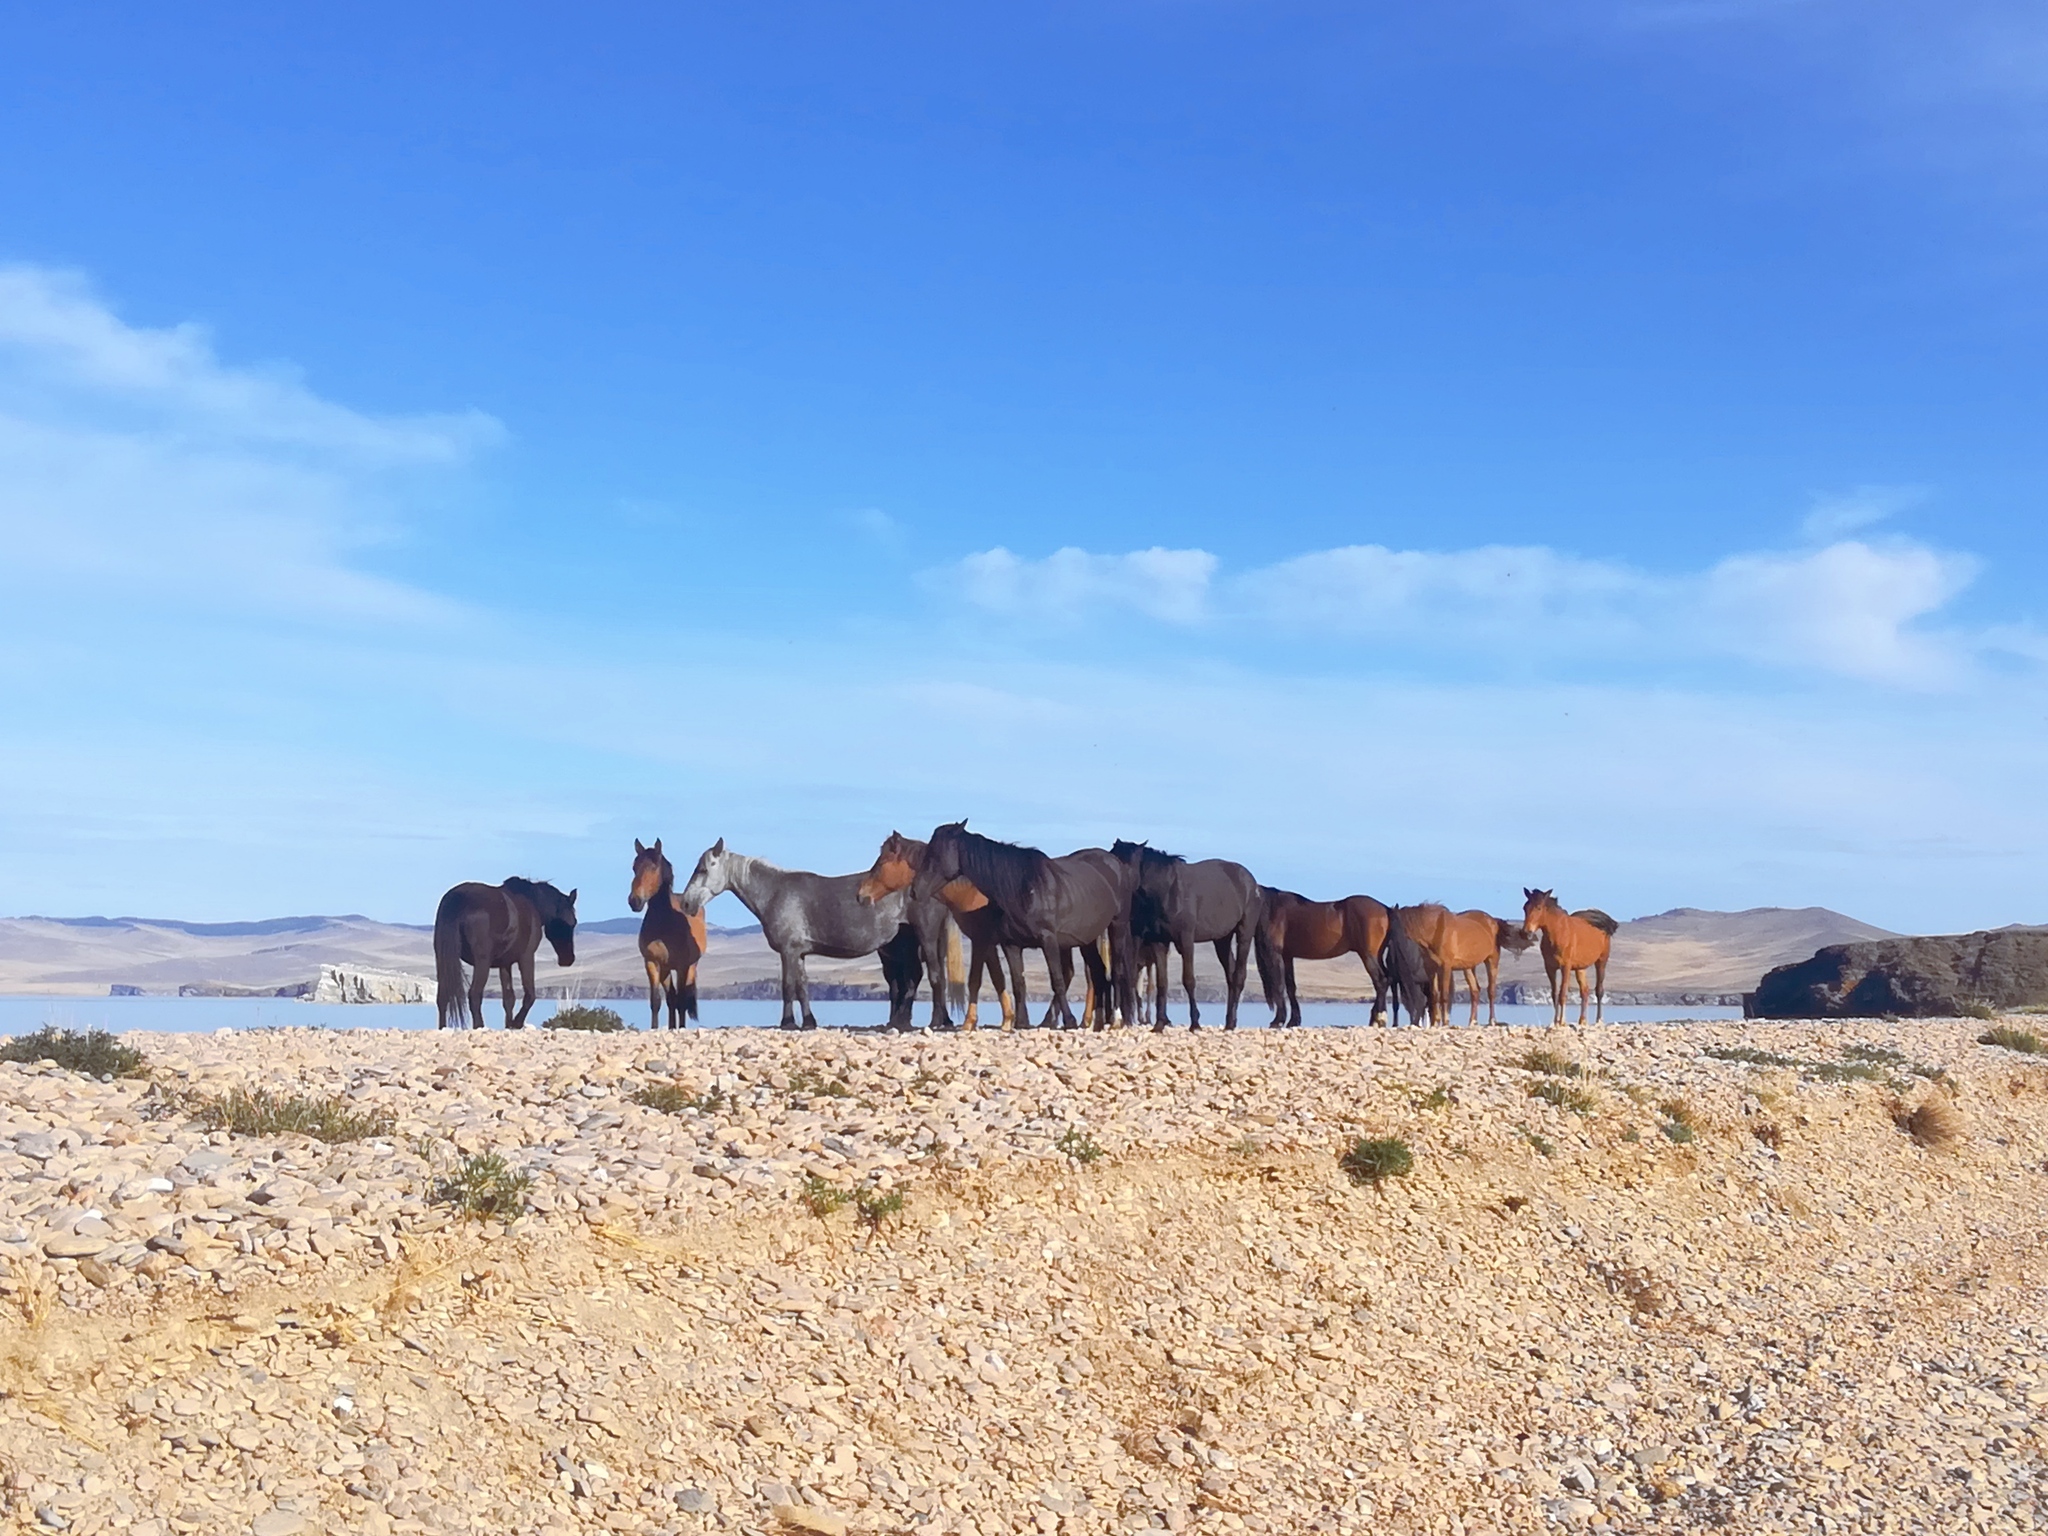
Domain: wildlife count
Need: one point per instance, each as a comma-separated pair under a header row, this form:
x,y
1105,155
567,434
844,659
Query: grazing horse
x,y
672,941
803,914
987,930
1055,902
1291,927
1465,943
1180,904
495,927
1414,978
1573,943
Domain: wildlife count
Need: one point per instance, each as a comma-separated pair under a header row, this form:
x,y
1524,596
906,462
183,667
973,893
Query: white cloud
x,y
1850,608
1833,516
138,468
1171,585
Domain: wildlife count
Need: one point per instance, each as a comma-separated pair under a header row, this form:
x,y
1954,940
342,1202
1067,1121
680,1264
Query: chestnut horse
x,y
894,869
1464,943
1573,943
672,941
1291,927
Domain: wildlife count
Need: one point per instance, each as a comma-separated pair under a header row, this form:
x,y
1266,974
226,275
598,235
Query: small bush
x,y
484,1185
1245,1146
1542,1059
1769,1132
871,1207
821,1197
671,1100
1372,1160
813,1083
1933,1123
2022,1040
600,1021
1439,1097
1978,1011
259,1112
1845,1072
1676,1130
1078,1145
1750,1056
1564,1096
1883,1055
91,1051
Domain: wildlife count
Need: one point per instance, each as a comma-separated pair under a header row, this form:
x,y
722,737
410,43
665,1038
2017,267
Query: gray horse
x,y
803,914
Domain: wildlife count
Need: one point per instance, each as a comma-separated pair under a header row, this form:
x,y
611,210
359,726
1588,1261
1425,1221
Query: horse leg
x,y
1101,995
656,992
1580,972
1059,972
1472,992
479,983
1600,991
792,972
1187,981
1013,1002
526,986
1492,974
1559,984
1291,1014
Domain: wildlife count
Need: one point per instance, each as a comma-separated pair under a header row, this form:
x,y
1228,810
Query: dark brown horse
x,y
493,928
672,941
973,914
1291,928
1180,905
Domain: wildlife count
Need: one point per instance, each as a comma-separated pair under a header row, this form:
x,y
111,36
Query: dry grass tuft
x,y
1769,1132
1564,1096
1933,1123
2025,1041
1551,1063
259,1112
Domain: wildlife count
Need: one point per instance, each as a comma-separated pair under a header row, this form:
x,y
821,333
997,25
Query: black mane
x,y
551,903
1146,855
1003,872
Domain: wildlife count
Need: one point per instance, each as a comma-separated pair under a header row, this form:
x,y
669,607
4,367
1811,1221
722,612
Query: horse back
x,y
494,926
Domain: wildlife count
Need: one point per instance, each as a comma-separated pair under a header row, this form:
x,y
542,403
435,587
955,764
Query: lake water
x,y
24,1015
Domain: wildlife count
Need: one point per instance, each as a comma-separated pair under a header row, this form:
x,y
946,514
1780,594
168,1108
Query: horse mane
x,y
547,900
1146,854
1510,935
1005,873
1598,919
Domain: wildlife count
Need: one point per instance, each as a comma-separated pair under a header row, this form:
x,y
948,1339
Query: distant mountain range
x,y
1679,955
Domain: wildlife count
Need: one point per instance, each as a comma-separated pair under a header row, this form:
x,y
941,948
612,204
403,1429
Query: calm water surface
x,y
23,1015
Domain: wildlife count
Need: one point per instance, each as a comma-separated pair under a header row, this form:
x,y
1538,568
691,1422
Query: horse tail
x,y
956,963
1598,919
451,998
1509,934
1272,975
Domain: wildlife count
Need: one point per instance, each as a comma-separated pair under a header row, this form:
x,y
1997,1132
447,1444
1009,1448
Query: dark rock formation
x,y
1912,978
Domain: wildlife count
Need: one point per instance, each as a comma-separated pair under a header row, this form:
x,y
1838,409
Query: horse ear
x,y
657,845
719,846
572,898
640,847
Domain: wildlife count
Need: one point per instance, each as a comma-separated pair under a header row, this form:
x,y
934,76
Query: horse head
x,y
652,873
894,868
559,924
712,877
1535,906
941,861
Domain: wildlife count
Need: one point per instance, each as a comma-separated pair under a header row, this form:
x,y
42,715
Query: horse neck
x,y
746,875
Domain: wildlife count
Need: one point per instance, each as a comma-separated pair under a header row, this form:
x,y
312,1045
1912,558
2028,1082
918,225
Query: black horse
x,y
1051,904
493,928
1181,905
1410,972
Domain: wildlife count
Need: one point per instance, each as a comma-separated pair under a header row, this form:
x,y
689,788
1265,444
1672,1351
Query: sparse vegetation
x,y
1979,1011
1564,1096
91,1051
672,1100
2006,1036
1551,1063
483,1185
1932,1123
1375,1159
1540,1142
1439,1097
821,1197
1245,1146
601,1021
810,1082
1077,1145
1750,1056
871,1207
1769,1132
259,1112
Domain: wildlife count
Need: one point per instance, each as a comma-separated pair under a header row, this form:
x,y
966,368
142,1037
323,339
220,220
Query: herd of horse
x,y
1125,910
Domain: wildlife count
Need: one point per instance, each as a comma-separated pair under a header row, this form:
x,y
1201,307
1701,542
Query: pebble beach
x,y
1752,1277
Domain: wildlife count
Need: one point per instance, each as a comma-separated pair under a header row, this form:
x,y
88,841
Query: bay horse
x,y
1466,943
1290,927
493,928
1573,943
672,941
988,931
1055,903
1179,905
803,914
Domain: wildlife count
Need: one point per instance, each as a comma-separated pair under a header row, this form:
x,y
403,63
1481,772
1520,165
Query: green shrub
x,y
1540,1142
581,1016
1372,1160
1078,1145
1978,1011
871,1207
1845,1072
1564,1096
1439,1097
671,1100
1750,1056
2023,1040
91,1051
259,1112
484,1185
1542,1059
812,1082
821,1197
1676,1130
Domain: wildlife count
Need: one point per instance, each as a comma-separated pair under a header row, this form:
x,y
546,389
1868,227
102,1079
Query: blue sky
x,y
1422,450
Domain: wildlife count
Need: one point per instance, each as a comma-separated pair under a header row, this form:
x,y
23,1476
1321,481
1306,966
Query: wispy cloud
x,y
1851,608
138,466
1846,512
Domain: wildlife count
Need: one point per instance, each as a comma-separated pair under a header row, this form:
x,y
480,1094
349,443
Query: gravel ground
x,y
1690,1293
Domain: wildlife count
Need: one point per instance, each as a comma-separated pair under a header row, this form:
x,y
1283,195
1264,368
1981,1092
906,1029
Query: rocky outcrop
x,y
1909,978
336,985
